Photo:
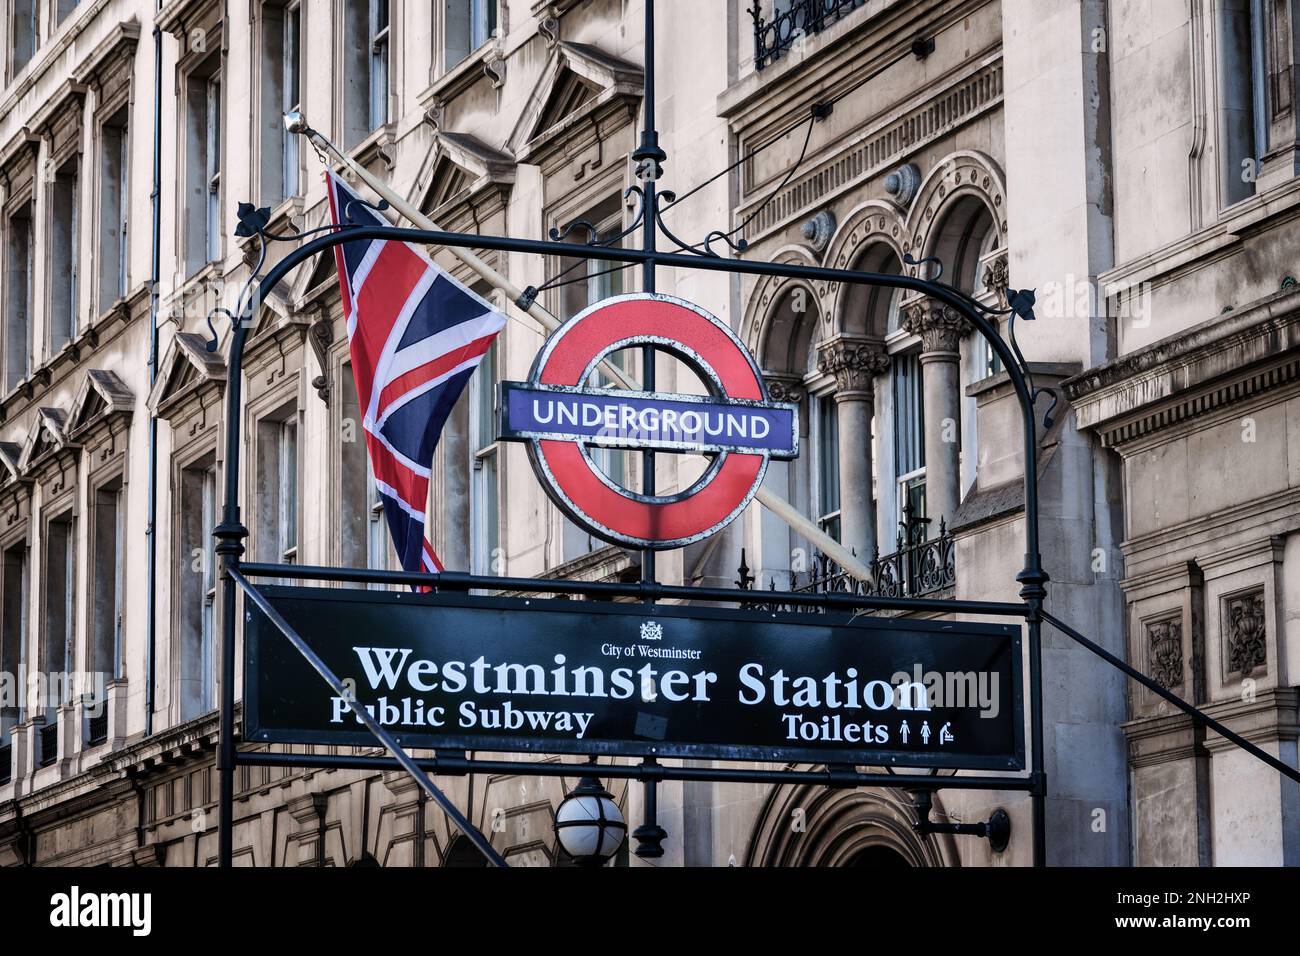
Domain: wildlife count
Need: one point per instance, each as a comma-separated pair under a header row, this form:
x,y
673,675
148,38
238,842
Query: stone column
x,y
941,330
855,362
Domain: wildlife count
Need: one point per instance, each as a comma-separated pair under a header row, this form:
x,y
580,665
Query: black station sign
x,y
473,673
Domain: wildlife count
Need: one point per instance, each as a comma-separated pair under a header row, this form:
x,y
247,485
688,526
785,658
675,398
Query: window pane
x,y
107,584
288,489
213,163
63,257
56,654
1242,119
355,71
485,382
112,211
378,533
355,493
207,669
486,514
292,100
25,35
379,46
13,629
18,296
909,415
828,459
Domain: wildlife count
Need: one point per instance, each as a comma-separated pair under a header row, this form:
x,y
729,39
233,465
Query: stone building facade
x,y
1135,162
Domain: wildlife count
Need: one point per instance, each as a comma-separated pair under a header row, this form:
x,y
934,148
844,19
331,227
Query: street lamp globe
x,y
588,823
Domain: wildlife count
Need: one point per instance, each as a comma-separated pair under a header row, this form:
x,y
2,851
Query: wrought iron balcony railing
x,y
96,724
921,566
774,38
49,738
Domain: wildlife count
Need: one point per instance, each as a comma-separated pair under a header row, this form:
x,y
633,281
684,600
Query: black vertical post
x,y
1033,591
649,159
1039,793
230,535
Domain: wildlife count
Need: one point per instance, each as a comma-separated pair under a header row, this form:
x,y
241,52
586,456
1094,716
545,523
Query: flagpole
x,y
845,558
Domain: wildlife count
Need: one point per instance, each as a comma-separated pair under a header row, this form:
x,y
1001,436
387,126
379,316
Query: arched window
x,y
788,357
873,310
965,242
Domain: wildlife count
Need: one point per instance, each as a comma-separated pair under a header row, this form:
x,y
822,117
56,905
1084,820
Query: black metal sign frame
x,y
723,659
237,576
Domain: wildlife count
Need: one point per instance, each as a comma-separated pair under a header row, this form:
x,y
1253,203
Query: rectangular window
x,y
909,433
18,296
354,476
1243,110
203,166
64,260
292,99
60,588
590,281
281,93
355,72
365,68
277,488
467,25
114,202
108,548
26,38
379,35
13,632
827,443
584,282
485,531
212,171
65,7
377,546
196,633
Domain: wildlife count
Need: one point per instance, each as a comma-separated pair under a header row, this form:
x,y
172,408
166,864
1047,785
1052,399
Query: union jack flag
x,y
415,335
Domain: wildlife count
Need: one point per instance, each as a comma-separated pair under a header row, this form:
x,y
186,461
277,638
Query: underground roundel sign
x,y
562,417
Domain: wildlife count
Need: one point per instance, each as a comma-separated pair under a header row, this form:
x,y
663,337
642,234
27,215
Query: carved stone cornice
x,y
1148,396
785,388
941,328
854,362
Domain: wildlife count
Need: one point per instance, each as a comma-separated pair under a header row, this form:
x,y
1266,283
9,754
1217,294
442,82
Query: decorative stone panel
x,y
1165,652
1244,633
1244,597
1166,637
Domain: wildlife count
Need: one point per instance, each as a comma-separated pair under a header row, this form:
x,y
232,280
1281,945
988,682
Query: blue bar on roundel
x,y
641,420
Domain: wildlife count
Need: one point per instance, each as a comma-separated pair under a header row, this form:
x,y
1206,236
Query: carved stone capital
x,y
855,362
785,388
941,328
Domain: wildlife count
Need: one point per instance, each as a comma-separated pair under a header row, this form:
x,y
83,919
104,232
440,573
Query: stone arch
x,y
777,334
961,179
463,853
811,825
871,235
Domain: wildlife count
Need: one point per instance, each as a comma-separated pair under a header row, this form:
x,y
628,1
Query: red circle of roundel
x,y
693,333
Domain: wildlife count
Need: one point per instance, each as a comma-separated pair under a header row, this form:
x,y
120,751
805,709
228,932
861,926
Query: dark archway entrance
x,y
463,852
879,858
